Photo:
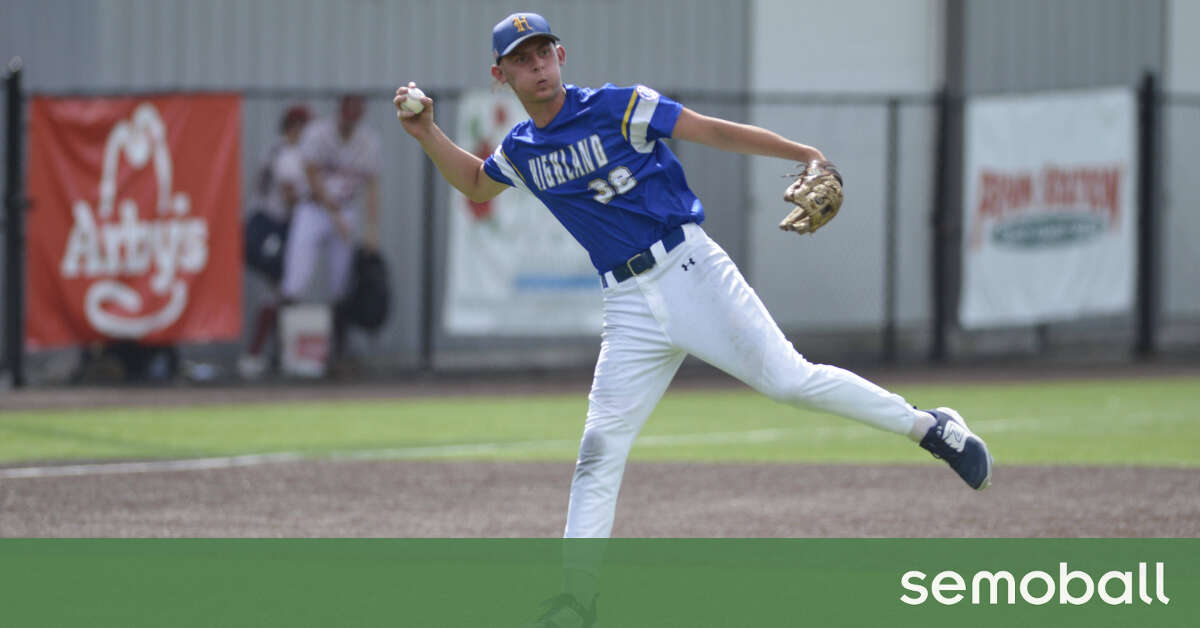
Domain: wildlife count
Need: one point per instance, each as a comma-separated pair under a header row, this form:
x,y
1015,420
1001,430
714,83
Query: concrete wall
x,y
1180,202
1025,45
1181,47
861,46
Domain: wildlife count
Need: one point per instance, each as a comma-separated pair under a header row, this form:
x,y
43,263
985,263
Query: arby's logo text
x,y
126,236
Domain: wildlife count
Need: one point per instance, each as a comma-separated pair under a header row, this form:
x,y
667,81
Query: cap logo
x,y
521,24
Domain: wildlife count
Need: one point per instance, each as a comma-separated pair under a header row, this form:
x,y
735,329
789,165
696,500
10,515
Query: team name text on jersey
x,y
567,164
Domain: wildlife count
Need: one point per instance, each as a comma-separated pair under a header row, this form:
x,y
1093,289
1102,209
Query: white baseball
x,y
413,102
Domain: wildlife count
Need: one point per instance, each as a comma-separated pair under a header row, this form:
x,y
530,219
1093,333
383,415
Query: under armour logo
x,y
521,23
690,262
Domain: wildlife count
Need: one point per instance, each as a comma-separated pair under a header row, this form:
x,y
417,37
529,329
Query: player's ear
x,y
562,54
499,80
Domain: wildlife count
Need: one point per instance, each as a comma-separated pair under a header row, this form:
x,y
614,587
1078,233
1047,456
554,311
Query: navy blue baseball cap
x,y
516,28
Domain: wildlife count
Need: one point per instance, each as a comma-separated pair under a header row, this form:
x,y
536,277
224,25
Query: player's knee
x,y
601,447
784,391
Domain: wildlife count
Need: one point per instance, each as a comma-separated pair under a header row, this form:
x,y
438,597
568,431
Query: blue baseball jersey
x,y
601,170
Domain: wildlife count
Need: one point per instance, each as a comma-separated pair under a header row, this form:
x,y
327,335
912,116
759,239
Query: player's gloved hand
x,y
417,124
817,195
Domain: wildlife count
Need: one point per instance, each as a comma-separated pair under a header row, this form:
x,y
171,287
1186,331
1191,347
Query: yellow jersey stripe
x,y
514,167
628,110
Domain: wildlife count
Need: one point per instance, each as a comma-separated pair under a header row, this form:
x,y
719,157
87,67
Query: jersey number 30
x,y
620,181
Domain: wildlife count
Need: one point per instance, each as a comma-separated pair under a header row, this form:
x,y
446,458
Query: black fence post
x,y
940,227
947,185
429,250
891,238
14,230
1147,277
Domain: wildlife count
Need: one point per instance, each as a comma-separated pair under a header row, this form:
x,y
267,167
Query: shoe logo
x,y
690,262
955,435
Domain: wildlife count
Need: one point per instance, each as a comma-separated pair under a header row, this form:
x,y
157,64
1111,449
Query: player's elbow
x,y
479,193
482,189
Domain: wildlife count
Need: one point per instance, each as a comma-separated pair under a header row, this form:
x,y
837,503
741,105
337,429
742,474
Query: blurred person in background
x,y
282,183
341,161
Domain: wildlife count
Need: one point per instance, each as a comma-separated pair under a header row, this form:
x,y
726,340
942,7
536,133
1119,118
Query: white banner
x,y
512,269
1049,214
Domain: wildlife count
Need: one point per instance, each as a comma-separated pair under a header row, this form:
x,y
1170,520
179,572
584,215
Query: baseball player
x,y
341,161
596,159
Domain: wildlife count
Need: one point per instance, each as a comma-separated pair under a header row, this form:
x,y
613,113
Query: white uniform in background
x,y
287,169
344,168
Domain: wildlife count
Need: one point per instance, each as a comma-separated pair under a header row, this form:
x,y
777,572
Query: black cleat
x,y
951,440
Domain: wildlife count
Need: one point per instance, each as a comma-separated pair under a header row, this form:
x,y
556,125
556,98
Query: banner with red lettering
x,y
1049,225
135,231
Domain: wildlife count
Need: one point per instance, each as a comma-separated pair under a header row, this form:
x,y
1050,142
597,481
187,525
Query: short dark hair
x,y
296,114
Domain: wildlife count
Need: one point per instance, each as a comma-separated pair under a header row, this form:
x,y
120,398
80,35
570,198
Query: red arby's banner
x,y
135,231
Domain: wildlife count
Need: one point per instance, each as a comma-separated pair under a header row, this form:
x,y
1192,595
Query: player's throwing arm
x,y
462,169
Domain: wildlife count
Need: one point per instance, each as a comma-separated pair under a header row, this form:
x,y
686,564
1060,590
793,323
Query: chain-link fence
x,y
864,289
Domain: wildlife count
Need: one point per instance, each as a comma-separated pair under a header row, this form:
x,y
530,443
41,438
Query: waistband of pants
x,y
643,261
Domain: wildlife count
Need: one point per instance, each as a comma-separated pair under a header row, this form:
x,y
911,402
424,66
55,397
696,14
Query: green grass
x,y
1114,422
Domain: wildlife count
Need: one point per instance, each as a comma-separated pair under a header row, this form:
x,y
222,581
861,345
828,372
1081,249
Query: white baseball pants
x,y
311,237
651,322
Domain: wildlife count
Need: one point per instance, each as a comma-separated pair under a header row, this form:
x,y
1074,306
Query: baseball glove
x,y
817,195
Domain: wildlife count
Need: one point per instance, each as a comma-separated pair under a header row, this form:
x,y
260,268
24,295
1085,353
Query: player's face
x,y
351,111
534,69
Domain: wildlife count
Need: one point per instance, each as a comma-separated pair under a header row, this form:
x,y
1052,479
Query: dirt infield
x,y
493,499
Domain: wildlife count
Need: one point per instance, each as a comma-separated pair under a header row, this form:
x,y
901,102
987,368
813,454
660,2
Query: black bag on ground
x,y
367,303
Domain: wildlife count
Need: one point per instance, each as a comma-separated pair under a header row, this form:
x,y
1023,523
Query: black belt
x,y
644,261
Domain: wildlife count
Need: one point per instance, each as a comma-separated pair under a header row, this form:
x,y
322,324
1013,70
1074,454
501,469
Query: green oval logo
x,y
1047,230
